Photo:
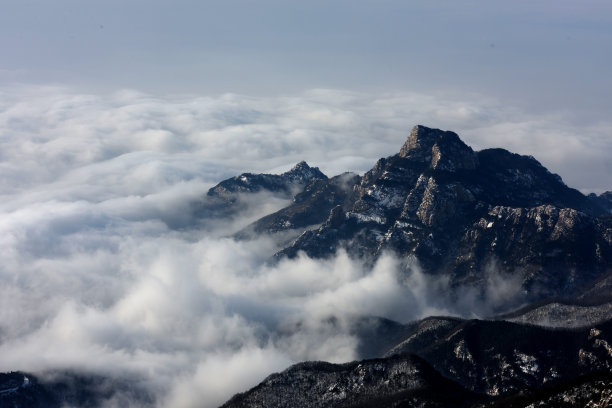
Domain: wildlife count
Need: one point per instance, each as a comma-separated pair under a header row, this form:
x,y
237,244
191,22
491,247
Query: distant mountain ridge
x,y
223,200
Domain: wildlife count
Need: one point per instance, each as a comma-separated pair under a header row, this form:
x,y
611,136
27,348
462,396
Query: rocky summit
x,y
462,215
458,212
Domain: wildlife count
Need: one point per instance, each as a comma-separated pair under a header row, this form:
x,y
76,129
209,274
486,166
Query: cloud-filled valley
x,y
105,270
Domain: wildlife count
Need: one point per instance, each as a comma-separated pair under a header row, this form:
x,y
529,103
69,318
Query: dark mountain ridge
x,y
482,363
462,214
309,207
402,379
224,199
458,211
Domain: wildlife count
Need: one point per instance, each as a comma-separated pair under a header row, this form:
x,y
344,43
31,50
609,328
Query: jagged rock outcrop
x,y
460,212
441,150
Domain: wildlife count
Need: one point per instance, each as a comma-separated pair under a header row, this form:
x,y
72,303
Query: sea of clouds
x,y
103,269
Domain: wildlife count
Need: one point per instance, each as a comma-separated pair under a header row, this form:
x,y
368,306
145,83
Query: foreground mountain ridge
x,y
454,362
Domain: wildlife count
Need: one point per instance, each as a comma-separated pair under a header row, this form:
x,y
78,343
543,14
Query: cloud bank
x,y
103,272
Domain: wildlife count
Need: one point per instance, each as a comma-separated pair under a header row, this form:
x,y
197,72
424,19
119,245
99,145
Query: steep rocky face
x,y
440,150
553,250
460,212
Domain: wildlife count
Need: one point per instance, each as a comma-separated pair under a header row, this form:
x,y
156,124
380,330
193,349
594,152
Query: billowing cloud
x,y
130,139
104,271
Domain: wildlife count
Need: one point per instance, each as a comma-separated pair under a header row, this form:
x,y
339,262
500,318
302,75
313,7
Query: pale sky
x,y
540,54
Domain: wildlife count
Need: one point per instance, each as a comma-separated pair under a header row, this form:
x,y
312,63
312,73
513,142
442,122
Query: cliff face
x,y
457,211
462,214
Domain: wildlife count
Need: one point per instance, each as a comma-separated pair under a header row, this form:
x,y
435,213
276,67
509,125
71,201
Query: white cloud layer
x,y
101,273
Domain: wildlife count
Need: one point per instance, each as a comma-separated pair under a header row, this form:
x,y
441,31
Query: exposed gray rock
x,y
442,150
462,213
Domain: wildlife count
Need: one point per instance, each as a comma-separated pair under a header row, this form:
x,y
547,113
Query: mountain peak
x,y
301,166
422,139
444,150
302,172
